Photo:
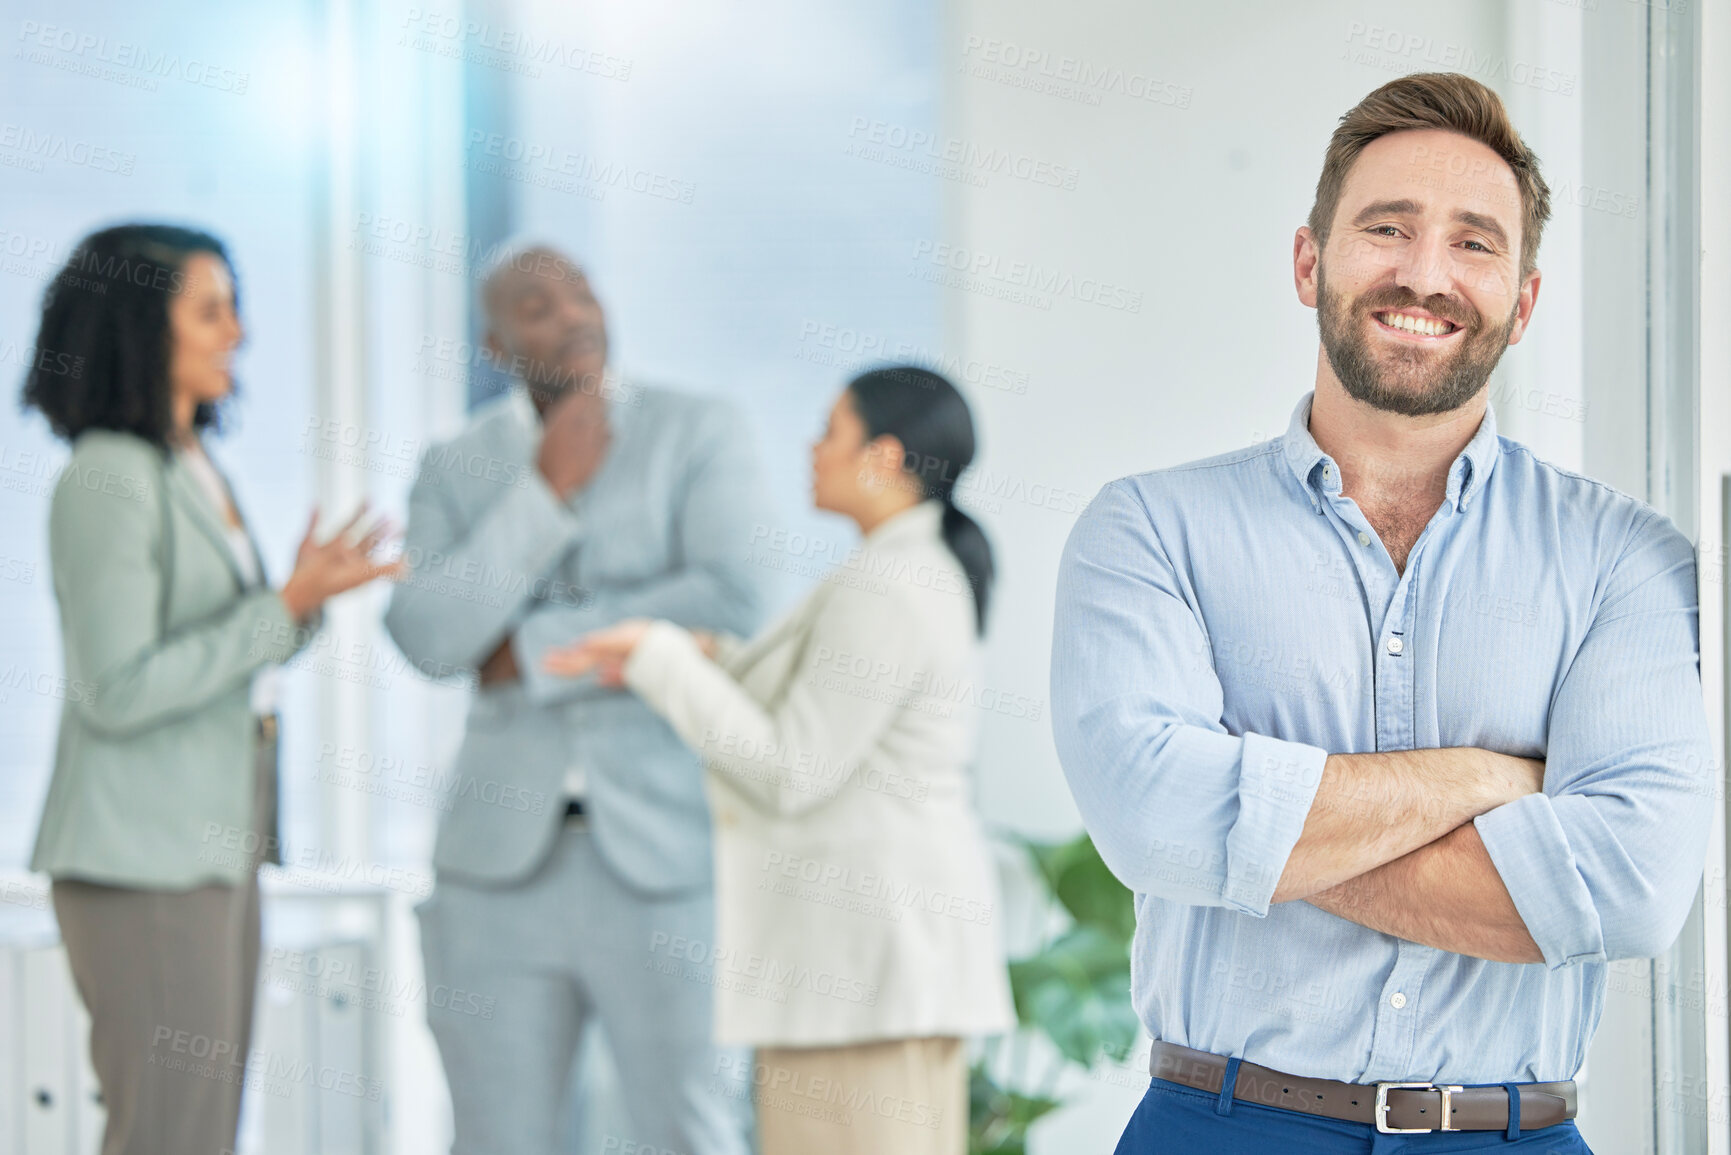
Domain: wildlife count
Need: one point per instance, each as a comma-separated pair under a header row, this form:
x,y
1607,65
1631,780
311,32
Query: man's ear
x,y
1306,253
1529,297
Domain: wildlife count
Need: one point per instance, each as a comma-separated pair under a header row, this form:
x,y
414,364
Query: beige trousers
x,y
900,1097
168,978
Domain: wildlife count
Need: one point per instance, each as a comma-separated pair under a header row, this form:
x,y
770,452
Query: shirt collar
x,y
619,395
1317,471
921,519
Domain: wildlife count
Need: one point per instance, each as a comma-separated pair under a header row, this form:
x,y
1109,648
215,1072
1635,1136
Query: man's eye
x,y
1483,248
1392,230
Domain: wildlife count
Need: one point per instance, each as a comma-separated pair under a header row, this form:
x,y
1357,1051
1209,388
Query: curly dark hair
x,y
106,312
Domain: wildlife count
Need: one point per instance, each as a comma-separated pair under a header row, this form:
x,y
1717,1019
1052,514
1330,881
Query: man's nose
x,y
582,312
1426,266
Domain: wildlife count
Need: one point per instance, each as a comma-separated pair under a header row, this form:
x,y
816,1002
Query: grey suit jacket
x,y
662,530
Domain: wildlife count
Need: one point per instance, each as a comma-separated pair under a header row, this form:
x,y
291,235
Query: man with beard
x,y
1386,830
573,867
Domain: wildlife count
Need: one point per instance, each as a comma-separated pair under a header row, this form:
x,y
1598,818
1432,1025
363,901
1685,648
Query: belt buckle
x,y
1382,1090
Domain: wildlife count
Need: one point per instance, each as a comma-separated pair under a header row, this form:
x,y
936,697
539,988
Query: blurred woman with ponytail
x,y
857,941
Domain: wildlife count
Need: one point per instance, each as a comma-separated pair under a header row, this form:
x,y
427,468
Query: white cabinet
x,y
315,1081
49,1100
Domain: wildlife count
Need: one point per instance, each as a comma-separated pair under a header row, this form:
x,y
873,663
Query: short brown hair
x,y
1445,100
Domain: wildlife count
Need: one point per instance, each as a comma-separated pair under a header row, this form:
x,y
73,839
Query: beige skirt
x,y
907,1096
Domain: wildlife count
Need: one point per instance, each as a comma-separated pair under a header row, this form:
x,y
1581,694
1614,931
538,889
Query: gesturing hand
x,y
604,651
324,570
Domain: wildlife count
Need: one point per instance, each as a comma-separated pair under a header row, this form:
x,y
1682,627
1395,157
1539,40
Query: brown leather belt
x,y
1391,1107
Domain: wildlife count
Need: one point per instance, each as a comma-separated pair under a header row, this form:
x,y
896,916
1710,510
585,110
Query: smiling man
x,y
1384,837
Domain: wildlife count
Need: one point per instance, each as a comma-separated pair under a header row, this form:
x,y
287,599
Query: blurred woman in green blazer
x,y
163,799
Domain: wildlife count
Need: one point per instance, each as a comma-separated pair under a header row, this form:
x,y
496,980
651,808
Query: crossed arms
x,y
1389,843
1592,855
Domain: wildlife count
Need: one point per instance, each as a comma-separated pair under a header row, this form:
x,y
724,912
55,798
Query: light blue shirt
x,y
1225,625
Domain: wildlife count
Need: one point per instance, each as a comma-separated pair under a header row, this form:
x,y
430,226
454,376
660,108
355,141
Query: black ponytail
x,y
968,542
923,411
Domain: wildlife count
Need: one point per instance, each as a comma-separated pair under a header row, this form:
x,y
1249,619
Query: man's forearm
x,y
1446,894
1370,809
469,581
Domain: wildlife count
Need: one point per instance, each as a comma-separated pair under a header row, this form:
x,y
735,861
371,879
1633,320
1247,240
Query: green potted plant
x,y
1073,993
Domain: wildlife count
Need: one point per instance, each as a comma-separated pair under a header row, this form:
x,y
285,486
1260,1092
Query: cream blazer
x,y
856,899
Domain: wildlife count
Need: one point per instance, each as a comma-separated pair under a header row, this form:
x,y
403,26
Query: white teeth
x,y
1425,328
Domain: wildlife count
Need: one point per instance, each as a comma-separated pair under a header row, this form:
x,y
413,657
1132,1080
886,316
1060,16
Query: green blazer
x,y
153,769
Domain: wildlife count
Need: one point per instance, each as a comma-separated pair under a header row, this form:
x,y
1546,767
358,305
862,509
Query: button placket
x,y
1381,584
1396,671
1397,1013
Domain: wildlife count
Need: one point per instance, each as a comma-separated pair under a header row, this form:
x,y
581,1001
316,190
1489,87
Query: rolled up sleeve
x,y
1178,807
1605,863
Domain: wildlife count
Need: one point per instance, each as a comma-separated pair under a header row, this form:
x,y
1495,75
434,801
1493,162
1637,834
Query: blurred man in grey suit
x,y
577,848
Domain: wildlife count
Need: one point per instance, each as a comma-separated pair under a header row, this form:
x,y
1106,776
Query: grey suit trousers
x,y
168,978
515,974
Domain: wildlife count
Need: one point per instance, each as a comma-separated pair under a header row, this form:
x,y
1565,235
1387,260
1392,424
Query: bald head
x,y
523,266
543,320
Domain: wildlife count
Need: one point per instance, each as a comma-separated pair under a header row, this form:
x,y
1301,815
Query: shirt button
x,y
1395,646
1397,1000
1363,538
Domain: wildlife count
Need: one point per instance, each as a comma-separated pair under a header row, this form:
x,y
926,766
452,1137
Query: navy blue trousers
x,y
1176,1120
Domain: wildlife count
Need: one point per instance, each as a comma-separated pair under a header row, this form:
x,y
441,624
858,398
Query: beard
x,y
576,365
1411,381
